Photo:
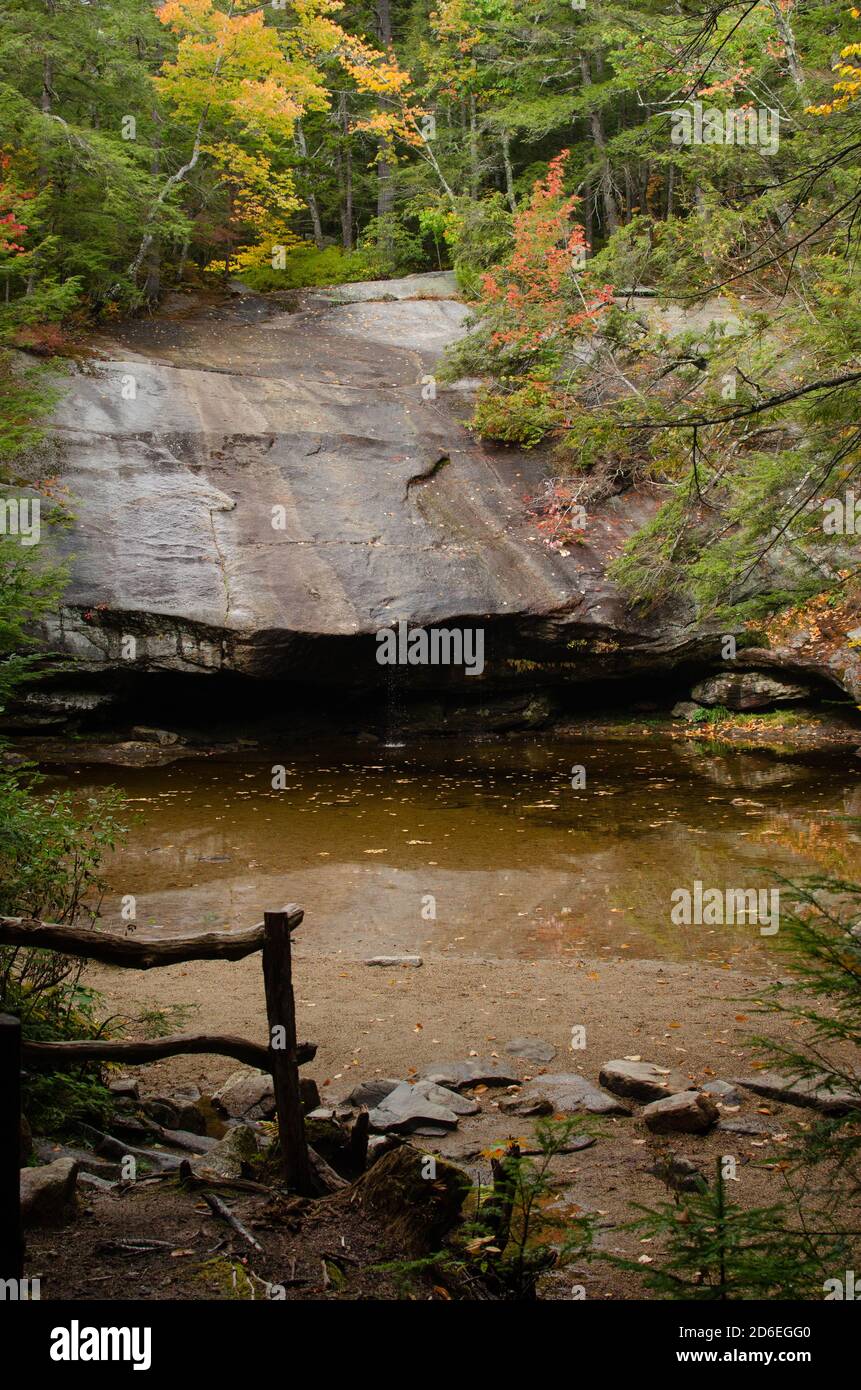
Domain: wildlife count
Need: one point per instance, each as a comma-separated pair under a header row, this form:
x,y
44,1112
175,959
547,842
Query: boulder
x,y
532,1049
231,1157
472,1072
687,1112
747,690
247,1095
382,534
643,1081
564,1094
48,1193
48,1152
178,1110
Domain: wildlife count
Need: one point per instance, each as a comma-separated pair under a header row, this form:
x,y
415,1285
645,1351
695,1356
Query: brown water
x,y
520,864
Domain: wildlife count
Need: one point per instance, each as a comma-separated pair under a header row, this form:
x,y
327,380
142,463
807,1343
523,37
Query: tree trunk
x,y
509,171
281,1014
310,197
385,173
474,166
596,122
152,283
787,36
346,163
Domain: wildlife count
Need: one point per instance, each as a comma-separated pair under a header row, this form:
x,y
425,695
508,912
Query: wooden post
x,y
281,1012
11,1231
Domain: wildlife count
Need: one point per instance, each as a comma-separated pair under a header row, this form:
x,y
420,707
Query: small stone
x,y
391,962
125,1087
685,709
533,1049
643,1081
48,1193
687,1112
323,1112
751,1124
722,1092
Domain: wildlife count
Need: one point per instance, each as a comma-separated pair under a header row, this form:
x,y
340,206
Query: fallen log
x,y
70,1054
140,950
219,1208
324,1177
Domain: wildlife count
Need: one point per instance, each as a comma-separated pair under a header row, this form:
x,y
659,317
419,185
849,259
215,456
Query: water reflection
x,y
518,862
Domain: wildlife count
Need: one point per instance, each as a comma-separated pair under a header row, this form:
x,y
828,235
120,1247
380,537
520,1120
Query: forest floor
x,y
371,1023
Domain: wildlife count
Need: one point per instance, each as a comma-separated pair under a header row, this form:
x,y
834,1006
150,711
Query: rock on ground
x,y
231,1155
564,1094
532,1049
472,1072
687,1112
643,1081
809,1093
392,961
370,1093
48,1193
722,1092
409,1108
246,1095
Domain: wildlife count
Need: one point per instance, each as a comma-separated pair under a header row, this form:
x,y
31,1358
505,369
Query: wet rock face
x,y
259,492
254,486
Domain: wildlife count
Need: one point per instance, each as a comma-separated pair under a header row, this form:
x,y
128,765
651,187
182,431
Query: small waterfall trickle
x,y
394,707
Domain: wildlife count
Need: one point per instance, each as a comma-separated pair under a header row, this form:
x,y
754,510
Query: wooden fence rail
x,y
144,951
140,950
